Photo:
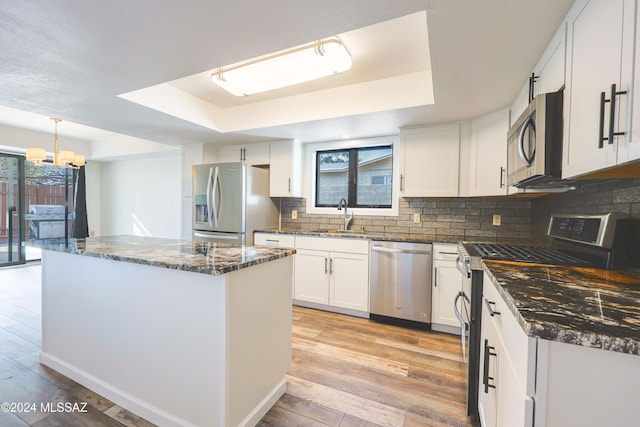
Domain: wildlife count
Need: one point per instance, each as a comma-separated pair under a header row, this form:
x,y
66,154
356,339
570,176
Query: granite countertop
x,y
582,306
198,257
352,234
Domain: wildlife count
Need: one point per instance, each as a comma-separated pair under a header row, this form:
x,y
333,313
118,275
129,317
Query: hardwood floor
x,y
348,371
345,371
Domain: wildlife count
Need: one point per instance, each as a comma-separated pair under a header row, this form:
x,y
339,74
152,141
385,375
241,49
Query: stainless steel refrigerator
x,y
231,200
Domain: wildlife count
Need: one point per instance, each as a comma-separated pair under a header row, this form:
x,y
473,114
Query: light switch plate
x,y
497,219
416,218
294,214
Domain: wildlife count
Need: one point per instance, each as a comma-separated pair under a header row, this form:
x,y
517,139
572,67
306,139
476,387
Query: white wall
x,y
141,196
93,172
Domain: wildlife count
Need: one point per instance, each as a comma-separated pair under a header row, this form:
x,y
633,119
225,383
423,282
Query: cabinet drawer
x,y
520,349
445,251
355,246
274,239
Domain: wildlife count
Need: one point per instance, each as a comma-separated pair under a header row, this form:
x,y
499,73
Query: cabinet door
x,y
489,368
594,61
256,154
349,283
312,276
430,161
285,177
447,283
551,67
489,155
250,154
230,153
631,149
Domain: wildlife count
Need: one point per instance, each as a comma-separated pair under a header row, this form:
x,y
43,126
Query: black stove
x,y
533,254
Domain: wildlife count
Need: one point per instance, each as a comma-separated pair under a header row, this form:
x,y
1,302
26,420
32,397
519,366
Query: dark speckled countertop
x,y
390,237
582,306
197,257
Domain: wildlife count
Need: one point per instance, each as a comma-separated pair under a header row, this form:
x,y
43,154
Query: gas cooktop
x,y
531,254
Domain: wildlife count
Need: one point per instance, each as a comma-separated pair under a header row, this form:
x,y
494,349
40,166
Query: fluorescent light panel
x,y
289,67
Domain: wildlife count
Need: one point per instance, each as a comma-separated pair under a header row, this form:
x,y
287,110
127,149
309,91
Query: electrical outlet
x,y
497,219
93,233
416,218
294,214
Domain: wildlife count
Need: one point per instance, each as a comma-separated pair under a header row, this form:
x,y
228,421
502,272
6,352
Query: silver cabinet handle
x,y
435,277
502,171
272,240
289,185
325,265
401,182
330,265
447,253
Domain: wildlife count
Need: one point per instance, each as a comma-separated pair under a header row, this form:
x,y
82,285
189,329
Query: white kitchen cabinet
x,y
333,274
507,365
488,168
285,178
276,240
312,276
349,281
571,385
251,154
429,161
600,43
549,74
550,69
446,284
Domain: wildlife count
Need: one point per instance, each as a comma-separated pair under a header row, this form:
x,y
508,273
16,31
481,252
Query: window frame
x,y
311,150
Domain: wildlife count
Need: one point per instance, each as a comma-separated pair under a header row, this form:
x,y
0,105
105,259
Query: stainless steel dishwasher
x,y
400,283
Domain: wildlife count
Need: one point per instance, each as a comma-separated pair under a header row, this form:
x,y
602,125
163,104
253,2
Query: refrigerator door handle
x,y
216,196
209,210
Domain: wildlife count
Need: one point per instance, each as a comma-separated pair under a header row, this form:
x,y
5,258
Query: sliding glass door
x,y
12,224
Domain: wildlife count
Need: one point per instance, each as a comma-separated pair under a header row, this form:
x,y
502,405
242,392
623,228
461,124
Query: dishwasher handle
x,y
398,251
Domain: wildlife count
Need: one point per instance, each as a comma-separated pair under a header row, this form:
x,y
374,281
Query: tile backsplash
x,y
472,218
615,196
463,218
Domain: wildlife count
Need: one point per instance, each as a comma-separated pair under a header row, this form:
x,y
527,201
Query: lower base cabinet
x,y
446,284
332,272
523,379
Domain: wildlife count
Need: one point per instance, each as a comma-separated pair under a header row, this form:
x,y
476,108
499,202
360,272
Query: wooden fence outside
x,y
39,194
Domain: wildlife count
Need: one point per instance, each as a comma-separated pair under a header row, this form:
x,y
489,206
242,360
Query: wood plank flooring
x,y
348,371
345,371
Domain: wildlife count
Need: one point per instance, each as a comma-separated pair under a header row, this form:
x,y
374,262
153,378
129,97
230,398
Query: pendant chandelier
x,y
61,158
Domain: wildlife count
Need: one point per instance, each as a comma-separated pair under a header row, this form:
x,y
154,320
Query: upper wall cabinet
x,y
429,161
250,154
548,74
285,178
600,54
488,157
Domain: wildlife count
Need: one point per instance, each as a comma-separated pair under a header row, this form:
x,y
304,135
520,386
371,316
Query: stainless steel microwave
x,y
534,144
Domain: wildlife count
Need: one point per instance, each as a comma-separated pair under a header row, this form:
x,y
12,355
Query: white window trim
x,y
310,184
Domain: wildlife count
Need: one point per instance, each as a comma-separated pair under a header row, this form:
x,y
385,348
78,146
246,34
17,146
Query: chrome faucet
x,y
347,217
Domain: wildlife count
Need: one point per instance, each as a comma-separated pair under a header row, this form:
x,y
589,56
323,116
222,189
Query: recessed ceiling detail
x,y
391,70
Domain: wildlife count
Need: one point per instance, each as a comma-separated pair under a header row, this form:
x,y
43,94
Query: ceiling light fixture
x,y
285,68
61,158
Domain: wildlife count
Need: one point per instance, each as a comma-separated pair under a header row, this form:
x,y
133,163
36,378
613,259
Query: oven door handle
x,y
462,269
461,294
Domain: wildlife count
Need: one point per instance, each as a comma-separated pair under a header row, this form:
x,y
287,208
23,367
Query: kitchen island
x,y
181,333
